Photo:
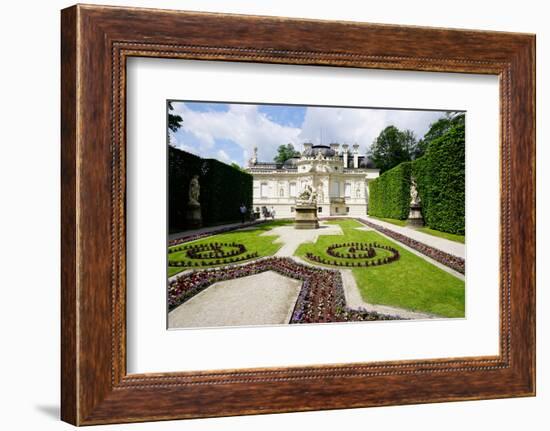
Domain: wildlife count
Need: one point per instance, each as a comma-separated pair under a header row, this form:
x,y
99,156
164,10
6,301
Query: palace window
x,y
335,192
264,190
292,189
281,192
347,190
320,209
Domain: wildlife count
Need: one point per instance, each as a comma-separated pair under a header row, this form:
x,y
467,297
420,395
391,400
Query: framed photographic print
x,y
309,214
264,214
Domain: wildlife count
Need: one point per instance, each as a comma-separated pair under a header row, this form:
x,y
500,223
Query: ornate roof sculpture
x,y
348,156
315,150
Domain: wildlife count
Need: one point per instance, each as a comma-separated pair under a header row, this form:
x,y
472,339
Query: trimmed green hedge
x,y
223,189
421,172
389,194
440,178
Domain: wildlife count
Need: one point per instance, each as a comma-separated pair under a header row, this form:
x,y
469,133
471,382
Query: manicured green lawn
x,y
411,282
392,221
449,236
251,239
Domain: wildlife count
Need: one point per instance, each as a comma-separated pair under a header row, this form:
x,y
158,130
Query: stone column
x,y
345,149
355,156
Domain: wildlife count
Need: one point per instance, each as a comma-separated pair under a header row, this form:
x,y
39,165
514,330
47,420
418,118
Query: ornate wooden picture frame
x,y
96,41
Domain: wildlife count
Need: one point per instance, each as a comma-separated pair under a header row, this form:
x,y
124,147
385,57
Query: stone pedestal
x,y
415,216
193,216
306,217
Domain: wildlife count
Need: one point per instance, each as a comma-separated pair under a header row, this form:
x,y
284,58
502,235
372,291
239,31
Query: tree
x,y
392,147
410,143
438,129
238,167
174,121
285,152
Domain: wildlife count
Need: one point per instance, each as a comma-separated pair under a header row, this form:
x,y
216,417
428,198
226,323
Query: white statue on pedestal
x,y
194,191
307,197
415,199
415,214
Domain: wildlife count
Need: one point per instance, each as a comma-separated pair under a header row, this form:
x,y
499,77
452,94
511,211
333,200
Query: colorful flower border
x,y
447,259
321,298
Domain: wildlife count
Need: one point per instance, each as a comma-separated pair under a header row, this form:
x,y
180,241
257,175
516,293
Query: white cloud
x,y
361,126
242,124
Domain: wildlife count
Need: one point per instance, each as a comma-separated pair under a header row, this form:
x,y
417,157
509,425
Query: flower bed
x,y
321,298
354,250
213,253
355,254
453,262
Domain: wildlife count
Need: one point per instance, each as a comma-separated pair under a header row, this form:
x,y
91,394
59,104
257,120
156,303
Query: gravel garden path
x,y
208,229
452,247
267,298
292,238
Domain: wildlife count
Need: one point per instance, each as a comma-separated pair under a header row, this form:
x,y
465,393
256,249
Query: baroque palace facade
x,y
337,173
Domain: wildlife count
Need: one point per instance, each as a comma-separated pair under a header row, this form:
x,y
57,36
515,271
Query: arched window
x,y
281,192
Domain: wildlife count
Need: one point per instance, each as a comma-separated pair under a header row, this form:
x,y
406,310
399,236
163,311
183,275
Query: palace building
x,y
337,173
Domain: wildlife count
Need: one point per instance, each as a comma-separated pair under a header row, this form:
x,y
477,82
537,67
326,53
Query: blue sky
x,y
229,131
292,116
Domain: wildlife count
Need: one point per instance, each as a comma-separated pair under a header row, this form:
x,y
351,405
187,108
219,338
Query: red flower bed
x,y
321,298
359,254
214,253
354,250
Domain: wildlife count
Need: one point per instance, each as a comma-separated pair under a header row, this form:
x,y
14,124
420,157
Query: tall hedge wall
x,y
440,178
441,182
389,194
223,189
421,173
